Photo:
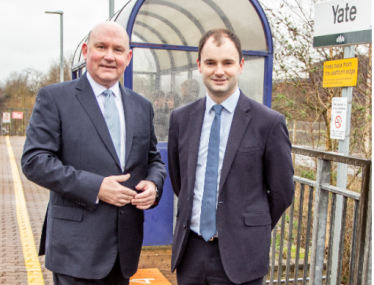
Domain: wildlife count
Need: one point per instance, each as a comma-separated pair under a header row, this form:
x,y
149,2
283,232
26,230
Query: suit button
x,y
121,212
184,226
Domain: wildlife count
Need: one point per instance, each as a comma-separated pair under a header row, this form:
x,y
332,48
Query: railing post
x,y
363,241
321,203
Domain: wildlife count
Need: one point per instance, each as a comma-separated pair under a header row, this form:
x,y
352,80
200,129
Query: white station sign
x,y
342,22
338,118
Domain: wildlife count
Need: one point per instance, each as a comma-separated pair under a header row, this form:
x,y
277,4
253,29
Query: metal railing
x,y
301,251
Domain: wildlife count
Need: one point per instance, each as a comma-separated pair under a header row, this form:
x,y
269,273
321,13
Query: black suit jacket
x,y
69,151
256,184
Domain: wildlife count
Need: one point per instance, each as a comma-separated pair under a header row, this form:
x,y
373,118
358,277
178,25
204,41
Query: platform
x,y
22,209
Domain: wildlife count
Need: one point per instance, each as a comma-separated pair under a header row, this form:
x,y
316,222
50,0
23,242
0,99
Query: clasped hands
x,y
112,192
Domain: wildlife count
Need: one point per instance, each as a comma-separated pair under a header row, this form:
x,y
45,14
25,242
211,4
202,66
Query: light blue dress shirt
x,y
98,90
226,119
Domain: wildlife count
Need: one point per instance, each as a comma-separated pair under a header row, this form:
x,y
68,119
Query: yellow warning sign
x,y
340,73
149,276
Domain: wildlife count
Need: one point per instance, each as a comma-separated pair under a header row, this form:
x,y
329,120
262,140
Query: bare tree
x,y
298,73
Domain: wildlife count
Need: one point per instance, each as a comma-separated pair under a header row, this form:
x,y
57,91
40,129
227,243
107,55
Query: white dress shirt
x,y
227,115
98,90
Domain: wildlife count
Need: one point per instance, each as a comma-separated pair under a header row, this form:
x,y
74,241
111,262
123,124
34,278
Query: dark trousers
x,y
114,277
201,265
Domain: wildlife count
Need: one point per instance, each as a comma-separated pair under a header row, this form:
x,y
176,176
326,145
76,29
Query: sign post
x,y
341,23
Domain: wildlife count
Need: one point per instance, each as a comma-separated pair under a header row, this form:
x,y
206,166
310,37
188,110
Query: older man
x,y
230,166
91,142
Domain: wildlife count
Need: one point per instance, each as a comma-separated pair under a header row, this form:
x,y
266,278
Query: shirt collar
x,y
99,89
229,104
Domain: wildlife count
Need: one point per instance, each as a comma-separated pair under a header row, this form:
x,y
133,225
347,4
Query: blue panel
x,y
158,225
268,80
128,75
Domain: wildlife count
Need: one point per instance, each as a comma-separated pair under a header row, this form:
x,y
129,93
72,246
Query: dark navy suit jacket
x,y
69,151
256,184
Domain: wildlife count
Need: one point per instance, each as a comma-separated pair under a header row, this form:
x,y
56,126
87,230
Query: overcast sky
x,y
29,38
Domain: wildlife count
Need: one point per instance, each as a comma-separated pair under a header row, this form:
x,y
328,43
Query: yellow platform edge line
x,y
32,264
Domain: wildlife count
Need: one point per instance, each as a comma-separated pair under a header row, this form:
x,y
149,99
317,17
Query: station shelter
x,y
164,37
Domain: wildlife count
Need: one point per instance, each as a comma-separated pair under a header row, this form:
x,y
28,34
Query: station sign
x,y
340,73
338,118
17,115
342,22
6,118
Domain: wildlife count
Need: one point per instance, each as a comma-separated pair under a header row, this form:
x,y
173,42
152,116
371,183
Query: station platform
x,y
22,209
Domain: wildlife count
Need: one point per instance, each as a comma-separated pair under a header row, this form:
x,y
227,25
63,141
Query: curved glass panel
x,y
183,22
168,88
251,81
77,55
124,14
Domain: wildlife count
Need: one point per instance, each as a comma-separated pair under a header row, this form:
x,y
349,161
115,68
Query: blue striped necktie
x,y
111,116
208,206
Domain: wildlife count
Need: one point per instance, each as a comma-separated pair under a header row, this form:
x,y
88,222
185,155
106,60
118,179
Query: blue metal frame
x,y
268,55
128,78
268,76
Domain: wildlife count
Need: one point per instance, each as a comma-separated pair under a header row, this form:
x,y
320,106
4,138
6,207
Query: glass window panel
x,y
245,23
153,23
184,84
147,64
164,58
136,38
251,81
77,56
177,86
124,14
183,22
161,15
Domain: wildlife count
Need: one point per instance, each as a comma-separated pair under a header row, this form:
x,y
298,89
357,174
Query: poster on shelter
x,y
6,118
338,118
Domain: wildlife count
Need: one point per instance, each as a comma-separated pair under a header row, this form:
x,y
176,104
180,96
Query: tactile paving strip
x,y
34,272
12,268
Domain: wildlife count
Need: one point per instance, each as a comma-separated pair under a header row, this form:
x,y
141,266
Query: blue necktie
x,y
112,120
208,207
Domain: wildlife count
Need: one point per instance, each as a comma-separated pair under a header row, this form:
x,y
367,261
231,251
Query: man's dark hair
x,y
218,38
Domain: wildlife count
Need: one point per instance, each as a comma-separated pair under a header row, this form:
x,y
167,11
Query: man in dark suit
x,y
91,142
230,166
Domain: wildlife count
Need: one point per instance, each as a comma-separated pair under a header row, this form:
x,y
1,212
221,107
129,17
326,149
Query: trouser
x,y
114,277
202,265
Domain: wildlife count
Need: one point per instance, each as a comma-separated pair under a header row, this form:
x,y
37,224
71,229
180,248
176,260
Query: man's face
x,y
170,102
220,68
107,53
157,103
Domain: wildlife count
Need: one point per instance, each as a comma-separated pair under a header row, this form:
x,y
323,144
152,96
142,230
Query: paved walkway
x,y
15,226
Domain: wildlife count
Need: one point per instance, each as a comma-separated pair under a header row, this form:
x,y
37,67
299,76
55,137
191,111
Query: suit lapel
x,y
128,107
88,101
194,133
239,125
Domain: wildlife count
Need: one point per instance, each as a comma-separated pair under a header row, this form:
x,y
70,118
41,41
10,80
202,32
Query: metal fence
x,y
302,242
17,126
